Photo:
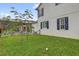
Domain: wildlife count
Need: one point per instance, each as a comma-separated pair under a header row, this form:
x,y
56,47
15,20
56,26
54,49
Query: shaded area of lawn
x,y
35,45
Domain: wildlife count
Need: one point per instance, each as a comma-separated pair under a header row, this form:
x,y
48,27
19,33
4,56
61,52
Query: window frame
x,y
44,24
63,23
40,12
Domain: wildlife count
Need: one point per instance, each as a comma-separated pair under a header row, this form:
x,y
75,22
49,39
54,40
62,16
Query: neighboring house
x,y
59,19
26,26
17,26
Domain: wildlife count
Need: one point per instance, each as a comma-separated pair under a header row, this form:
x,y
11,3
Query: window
x,y
62,23
44,24
41,12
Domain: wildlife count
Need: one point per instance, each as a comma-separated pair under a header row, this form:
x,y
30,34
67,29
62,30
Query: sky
x,y
6,7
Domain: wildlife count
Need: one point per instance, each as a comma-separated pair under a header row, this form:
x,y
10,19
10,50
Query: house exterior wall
x,y
52,12
35,27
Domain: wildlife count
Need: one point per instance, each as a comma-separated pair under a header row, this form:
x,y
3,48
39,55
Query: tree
x,y
6,18
7,21
10,25
27,14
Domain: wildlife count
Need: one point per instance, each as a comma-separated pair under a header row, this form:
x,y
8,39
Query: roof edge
x,y
38,6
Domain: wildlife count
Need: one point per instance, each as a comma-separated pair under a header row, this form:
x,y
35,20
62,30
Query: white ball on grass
x,y
46,49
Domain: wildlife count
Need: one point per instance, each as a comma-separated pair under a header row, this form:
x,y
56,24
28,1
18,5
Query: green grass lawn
x,y
35,45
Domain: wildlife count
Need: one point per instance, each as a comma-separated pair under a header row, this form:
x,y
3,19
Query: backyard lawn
x,y
36,45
